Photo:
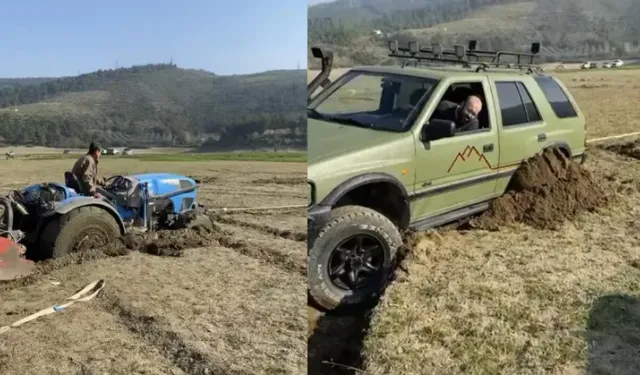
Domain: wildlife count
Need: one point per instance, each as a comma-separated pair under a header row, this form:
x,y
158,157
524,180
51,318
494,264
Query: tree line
x,y
155,105
567,28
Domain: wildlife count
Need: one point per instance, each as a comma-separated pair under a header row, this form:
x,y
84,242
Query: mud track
x,y
289,211
154,331
335,339
282,233
270,256
163,243
628,149
258,193
280,181
547,190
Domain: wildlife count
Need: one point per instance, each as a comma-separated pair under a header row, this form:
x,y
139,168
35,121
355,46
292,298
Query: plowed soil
x,y
224,301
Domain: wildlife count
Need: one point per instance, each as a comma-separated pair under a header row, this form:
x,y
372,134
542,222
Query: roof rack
x,y
459,55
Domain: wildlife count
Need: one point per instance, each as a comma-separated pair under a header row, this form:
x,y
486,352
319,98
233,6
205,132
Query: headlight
x,y
311,193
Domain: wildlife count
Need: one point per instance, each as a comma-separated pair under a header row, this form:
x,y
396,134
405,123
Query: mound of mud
x,y
545,191
163,243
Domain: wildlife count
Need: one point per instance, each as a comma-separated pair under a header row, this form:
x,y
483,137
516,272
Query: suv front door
x,y
456,172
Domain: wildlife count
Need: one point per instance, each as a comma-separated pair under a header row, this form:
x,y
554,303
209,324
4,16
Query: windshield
x,y
373,100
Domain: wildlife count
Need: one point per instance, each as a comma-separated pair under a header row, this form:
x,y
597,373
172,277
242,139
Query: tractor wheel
x,y
82,229
352,258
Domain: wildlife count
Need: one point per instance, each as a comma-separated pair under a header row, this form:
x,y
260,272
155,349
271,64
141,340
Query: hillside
x,y
155,105
10,82
567,29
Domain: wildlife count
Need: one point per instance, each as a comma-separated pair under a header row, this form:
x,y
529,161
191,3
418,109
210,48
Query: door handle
x,y
487,148
542,137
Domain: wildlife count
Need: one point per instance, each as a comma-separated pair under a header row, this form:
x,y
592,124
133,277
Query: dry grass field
x,y
227,302
518,300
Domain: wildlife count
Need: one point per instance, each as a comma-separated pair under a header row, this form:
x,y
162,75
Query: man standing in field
x,y
86,171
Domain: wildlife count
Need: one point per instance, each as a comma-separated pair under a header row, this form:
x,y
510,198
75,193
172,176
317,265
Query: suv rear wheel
x,y
352,258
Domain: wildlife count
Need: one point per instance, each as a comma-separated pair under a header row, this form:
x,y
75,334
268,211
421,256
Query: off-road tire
x,y
63,233
344,222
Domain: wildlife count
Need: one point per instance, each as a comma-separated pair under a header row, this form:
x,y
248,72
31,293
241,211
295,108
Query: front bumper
x,y
317,217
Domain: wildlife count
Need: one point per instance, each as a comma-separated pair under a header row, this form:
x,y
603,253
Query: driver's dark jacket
x,y
86,171
446,110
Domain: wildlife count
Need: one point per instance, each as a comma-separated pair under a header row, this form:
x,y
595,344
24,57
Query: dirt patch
x,y
164,243
545,191
630,149
154,331
280,180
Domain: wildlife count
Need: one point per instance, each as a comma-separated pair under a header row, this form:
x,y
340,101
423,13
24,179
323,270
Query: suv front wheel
x,y
352,258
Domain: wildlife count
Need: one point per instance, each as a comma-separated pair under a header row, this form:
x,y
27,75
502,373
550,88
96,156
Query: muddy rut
x,y
173,244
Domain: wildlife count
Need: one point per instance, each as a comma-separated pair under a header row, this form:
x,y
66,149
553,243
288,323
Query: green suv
x,y
383,157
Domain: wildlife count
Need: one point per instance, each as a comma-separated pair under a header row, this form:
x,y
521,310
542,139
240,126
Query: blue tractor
x,y
50,220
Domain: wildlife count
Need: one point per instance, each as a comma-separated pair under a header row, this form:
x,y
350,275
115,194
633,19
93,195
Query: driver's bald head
x,y
473,104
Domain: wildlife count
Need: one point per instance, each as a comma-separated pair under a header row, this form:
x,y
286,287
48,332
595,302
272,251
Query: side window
x,y
556,97
456,95
533,114
511,106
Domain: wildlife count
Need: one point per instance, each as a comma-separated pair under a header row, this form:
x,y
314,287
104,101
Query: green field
x,y
292,157
296,156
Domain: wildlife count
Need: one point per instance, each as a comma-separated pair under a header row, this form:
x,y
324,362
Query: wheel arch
x,y
562,146
363,189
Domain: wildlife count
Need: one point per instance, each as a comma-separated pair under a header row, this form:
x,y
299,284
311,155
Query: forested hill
x,y
567,29
156,105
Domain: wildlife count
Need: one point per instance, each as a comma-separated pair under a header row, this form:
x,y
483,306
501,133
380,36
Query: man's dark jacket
x,y
446,110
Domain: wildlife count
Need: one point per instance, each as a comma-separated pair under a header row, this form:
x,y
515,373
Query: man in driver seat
x,y
86,171
465,114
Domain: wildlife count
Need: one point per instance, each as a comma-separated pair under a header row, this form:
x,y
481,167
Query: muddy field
x,y
225,301
547,282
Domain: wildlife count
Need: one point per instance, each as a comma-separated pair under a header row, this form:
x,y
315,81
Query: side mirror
x,y
437,129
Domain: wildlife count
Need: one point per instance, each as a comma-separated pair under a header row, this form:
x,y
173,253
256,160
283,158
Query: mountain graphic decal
x,y
466,154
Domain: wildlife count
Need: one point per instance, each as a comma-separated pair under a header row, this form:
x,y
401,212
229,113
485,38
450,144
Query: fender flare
x,y
89,201
370,178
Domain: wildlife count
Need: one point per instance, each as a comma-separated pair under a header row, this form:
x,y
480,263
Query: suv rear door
x,y
557,105
529,123
522,128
